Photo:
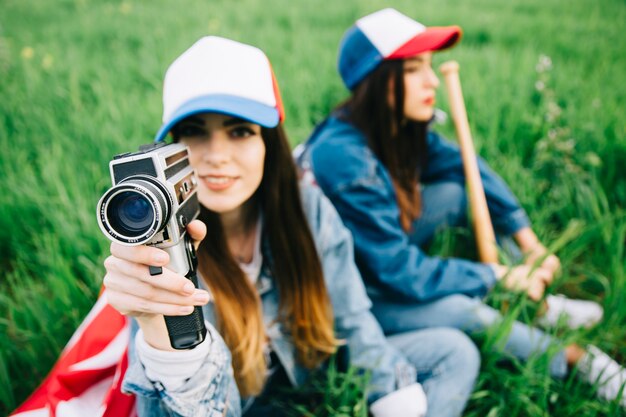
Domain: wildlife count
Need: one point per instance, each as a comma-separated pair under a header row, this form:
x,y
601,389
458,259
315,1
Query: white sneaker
x,y
578,313
599,369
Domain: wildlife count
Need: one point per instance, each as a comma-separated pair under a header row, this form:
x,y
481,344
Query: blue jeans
x,y
445,205
447,364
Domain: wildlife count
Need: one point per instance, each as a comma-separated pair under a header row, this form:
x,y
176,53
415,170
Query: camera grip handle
x,y
186,332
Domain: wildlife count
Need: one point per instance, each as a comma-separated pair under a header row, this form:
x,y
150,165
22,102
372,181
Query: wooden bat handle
x,y
483,229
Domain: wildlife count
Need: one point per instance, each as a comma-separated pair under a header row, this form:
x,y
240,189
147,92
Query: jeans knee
x,y
469,354
447,201
464,356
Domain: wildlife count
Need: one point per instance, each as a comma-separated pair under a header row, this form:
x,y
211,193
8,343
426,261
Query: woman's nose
x,y
431,78
217,149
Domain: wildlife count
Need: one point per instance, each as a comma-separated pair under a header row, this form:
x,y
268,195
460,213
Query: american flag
x,y
87,378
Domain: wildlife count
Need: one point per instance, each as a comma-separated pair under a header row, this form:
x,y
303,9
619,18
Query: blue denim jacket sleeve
x,y
354,322
210,392
445,164
361,190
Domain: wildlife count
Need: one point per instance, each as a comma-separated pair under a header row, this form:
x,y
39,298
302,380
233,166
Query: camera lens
x,y
135,210
130,213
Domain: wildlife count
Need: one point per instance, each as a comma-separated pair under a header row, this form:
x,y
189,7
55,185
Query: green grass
x,y
329,391
80,81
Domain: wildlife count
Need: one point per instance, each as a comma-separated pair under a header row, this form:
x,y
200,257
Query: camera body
x,y
152,200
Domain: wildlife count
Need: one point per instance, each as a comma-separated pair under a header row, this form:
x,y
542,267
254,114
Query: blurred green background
x,y
80,81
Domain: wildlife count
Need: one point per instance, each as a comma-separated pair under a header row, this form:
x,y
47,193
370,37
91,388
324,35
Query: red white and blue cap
x,y
223,76
384,35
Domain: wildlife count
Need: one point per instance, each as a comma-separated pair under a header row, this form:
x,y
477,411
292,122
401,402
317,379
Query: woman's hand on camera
x,y
533,281
133,291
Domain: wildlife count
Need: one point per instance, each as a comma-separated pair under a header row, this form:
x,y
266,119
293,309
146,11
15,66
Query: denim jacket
x,y
360,188
212,391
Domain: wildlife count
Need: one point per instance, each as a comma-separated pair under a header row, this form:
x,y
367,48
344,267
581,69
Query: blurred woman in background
x,y
395,182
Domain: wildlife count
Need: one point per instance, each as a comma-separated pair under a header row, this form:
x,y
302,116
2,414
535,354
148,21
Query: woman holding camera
x,y
395,182
279,287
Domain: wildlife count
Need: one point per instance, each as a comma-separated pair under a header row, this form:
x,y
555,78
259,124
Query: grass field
x,y
80,81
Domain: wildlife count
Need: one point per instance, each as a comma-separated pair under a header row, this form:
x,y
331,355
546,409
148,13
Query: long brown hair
x,y
304,307
399,143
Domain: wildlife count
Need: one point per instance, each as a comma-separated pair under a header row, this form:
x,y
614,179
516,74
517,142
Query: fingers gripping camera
x,y
152,200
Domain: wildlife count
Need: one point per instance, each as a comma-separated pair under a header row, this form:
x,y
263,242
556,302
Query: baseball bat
x,y
481,220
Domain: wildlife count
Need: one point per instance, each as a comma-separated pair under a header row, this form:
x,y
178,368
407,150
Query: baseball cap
x,y
224,76
388,34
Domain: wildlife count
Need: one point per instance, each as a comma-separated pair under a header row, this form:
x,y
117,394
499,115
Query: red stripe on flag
x,y
95,352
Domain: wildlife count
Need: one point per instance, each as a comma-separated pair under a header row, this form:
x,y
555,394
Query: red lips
x,y
217,182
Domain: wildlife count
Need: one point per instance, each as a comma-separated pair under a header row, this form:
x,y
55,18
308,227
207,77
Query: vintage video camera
x,y
152,200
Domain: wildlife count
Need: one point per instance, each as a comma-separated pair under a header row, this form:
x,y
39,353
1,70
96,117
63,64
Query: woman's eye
x,y
188,131
412,68
242,132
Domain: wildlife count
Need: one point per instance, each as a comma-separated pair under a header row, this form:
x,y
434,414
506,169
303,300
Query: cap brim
x,y
432,39
253,111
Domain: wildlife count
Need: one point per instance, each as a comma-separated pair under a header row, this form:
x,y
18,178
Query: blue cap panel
x,y
357,57
246,109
